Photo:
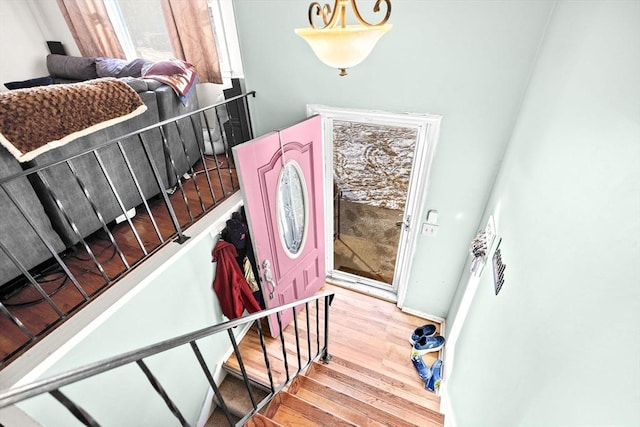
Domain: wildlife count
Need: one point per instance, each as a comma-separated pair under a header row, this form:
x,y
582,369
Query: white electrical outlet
x,y
429,229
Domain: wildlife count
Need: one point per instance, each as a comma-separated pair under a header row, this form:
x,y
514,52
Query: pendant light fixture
x,y
340,45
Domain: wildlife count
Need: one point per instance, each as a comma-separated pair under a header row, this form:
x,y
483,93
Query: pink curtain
x,y
191,34
91,28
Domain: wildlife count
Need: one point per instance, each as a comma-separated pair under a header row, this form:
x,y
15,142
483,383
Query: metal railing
x,y
316,330
68,224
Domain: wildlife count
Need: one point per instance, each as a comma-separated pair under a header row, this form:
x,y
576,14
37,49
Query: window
x,y
141,29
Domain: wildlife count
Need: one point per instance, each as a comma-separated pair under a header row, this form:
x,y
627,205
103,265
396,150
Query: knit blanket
x,y
36,120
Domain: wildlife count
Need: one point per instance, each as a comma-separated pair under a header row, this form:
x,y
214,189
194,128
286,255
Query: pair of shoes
x,y
436,376
428,344
423,331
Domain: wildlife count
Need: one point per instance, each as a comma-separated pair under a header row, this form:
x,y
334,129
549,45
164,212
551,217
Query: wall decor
x,y
498,268
481,246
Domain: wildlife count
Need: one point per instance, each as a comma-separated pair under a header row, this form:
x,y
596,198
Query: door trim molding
x,y
428,130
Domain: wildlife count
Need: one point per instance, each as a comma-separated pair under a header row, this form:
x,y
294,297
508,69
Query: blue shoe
x,y
422,331
436,376
428,344
423,370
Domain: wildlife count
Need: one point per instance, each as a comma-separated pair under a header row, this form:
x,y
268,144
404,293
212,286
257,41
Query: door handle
x,y
268,277
406,222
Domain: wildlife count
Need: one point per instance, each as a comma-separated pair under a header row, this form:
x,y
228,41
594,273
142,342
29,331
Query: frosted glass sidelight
x,y
292,208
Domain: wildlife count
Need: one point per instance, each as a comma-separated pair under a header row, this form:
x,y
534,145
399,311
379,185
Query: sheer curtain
x,y
91,28
188,24
191,34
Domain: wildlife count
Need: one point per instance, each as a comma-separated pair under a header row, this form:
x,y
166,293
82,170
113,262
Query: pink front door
x,y
282,186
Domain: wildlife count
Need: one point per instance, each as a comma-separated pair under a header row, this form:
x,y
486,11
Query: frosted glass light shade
x,y
343,47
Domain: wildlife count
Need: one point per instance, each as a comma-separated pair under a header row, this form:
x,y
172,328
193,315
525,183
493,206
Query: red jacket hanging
x,y
230,284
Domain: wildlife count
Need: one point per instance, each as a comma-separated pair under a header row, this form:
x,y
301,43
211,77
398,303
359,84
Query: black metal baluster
x,y
175,172
266,356
284,348
203,158
122,207
17,322
73,226
215,156
295,327
193,175
158,388
76,410
51,249
306,310
174,219
317,327
140,192
33,281
85,190
226,152
247,114
212,383
243,370
326,357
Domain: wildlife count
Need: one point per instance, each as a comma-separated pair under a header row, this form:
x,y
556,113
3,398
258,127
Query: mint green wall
x,y
560,345
468,61
178,301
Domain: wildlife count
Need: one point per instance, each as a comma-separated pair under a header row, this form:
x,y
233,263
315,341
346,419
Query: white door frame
x,y
428,129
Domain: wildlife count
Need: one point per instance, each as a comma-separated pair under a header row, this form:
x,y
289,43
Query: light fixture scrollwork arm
x,y
376,9
328,18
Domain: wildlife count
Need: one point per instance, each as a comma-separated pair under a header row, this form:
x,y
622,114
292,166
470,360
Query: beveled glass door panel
x,y
292,208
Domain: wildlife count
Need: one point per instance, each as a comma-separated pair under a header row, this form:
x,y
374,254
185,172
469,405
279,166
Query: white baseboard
x,y
431,317
372,291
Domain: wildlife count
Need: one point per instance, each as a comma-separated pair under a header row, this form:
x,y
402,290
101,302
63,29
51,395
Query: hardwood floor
x,y
367,336
190,202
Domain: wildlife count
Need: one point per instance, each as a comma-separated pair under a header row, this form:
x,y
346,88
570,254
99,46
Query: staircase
x,y
368,378
340,393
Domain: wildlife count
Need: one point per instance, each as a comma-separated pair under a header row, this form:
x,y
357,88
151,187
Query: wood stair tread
x,y
259,420
375,396
413,391
289,410
254,361
343,405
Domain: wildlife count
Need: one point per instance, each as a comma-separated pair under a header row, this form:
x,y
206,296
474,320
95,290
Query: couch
x,y
55,197
17,235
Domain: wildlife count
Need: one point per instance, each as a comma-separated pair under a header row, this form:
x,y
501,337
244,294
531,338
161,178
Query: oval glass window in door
x,y
292,208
